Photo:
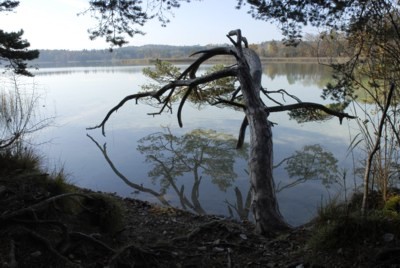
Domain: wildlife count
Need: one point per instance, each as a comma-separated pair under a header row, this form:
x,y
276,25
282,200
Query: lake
x,y
195,167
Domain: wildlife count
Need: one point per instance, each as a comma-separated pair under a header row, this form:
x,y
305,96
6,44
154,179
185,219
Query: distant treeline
x,y
148,53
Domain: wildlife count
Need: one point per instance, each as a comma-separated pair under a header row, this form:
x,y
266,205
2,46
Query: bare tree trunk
x,y
267,216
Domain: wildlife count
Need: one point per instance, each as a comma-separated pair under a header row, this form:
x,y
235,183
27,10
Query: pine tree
x,y
13,48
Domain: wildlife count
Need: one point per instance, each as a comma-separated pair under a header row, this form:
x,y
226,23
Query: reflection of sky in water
x,y
81,97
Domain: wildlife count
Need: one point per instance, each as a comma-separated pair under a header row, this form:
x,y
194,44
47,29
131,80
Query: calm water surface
x,y
80,98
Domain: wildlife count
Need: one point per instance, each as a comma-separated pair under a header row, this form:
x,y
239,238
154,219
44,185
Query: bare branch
x,y
119,105
280,91
184,98
8,142
141,188
309,105
242,133
229,102
171,86
207,54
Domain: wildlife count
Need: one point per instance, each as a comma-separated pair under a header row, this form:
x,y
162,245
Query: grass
x,y
22,170
339,225
26,159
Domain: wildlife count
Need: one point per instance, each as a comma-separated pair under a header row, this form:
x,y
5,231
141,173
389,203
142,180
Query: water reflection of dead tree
x,y
195,156
141,188
202,153
311,163
241,207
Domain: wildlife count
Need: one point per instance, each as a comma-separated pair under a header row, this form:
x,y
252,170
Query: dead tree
x,y
248,71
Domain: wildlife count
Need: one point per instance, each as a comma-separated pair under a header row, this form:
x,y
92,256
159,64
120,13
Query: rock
x,y
388,237
243,236
36,254
2,189
218,249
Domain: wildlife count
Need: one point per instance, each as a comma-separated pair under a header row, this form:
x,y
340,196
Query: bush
x,y
340,225
392,207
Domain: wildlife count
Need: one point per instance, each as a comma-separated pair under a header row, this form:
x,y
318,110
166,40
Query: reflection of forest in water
x,y
183,168
307,73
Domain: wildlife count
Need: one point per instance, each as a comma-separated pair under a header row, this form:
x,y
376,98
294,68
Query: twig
x,y
93,240
375,149
13,261
46,243
39,205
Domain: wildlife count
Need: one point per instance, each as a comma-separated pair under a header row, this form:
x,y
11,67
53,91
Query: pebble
x,y
243,236
216,242
218,249
388,237
36,254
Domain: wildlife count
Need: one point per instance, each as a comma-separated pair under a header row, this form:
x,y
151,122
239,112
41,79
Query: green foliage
x,y
59,183
221,88
118,19
341,225
14,49
106,211
115,19
292,15
352,232
311,115
20,160
392,207
164,72
8,5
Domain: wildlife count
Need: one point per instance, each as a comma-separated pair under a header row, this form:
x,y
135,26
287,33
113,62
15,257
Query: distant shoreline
x,y
186,60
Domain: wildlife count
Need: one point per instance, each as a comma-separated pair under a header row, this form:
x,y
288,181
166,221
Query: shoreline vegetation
x,y
272,51
185,60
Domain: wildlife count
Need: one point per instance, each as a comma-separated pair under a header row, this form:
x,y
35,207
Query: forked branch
x,y
170,87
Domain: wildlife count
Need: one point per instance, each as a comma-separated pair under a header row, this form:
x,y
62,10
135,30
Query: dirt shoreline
x,y
45,222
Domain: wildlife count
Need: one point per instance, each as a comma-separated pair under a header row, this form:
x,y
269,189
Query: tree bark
x,y
267,216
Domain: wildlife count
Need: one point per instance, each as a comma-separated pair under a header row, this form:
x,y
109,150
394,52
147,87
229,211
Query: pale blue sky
x,y
53,24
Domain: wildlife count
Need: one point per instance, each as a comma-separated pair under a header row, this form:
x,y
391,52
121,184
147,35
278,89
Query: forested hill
x,y
131,54
145,54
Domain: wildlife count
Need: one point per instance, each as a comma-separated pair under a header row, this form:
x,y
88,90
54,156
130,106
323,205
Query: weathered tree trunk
x,y
265,208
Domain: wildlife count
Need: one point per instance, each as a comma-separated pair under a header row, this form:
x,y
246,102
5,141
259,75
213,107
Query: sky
x,y
54,24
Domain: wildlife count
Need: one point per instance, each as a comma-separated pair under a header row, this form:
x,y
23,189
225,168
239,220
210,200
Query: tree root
x,y
144,257
36,236
26,222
